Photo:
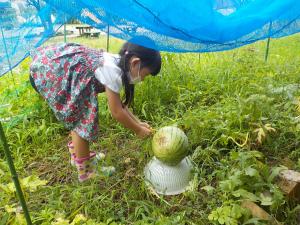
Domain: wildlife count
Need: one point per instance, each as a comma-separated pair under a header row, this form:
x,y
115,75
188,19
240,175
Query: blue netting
x,y
174,25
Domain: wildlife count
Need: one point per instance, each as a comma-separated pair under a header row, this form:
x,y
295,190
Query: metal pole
x,y
268,43
107,40
9,64
65,29
14,176
65,36
267,50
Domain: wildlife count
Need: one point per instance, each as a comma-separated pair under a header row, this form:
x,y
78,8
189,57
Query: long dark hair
x,y
150,58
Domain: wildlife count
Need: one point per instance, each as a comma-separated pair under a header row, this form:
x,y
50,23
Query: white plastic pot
x,y
168,180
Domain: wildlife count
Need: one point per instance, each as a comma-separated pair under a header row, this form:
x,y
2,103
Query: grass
x,y
239,113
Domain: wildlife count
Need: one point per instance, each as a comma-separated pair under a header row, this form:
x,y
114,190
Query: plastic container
x,y
168,180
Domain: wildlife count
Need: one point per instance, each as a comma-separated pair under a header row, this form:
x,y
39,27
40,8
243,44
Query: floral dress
x,y
64,75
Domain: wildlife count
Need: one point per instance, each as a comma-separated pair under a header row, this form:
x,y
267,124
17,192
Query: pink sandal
x,y
86,168
99,156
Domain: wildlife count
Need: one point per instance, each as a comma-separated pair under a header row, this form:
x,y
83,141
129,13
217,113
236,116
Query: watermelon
x,y
170,145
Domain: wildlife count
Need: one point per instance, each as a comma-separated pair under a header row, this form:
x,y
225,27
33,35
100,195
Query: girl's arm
x,y
137,119
123,116
131,114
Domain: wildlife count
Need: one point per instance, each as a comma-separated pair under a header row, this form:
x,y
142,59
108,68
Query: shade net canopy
x,y
168,25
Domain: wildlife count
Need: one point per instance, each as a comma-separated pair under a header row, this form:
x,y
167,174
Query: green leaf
x,y
213,215
221,220
5,188
1,172
32,183
234,155
20,219
10,208
266,200
252,221
251,172
60,221
274,172
209,189
11,188
245,195
4,219
236,211
78,218
256,154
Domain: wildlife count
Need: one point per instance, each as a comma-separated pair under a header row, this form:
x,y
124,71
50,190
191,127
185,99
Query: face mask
x,y
137,79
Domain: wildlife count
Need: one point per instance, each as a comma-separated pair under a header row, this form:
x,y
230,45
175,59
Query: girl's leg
x,y
84,162
81,146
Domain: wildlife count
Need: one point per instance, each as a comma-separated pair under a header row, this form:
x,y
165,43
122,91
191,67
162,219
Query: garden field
x,y
240,114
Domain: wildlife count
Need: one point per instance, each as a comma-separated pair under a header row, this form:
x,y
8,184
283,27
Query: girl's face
x,y
136,70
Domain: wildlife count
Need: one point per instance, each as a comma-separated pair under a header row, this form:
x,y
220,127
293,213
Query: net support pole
x,y
65,29
7,57
268,43
65,35
267,50
14,175
107,39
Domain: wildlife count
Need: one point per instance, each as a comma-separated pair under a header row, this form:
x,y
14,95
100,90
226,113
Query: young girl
x,y
69,77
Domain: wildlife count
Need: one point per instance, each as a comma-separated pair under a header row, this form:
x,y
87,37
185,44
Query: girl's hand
x,y
145,125
144,132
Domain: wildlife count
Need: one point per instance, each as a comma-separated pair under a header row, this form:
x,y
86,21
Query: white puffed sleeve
x,y
110,74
